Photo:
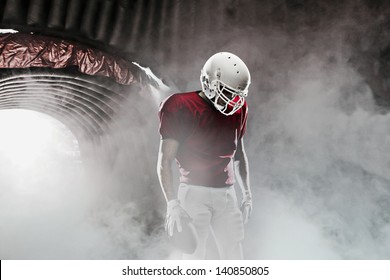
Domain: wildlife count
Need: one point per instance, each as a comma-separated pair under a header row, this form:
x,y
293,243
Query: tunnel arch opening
x,y
37,150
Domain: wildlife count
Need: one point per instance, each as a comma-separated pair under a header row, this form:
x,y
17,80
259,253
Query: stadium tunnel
x,y
73,60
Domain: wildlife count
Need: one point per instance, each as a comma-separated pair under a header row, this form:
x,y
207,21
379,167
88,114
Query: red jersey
x,y
208,139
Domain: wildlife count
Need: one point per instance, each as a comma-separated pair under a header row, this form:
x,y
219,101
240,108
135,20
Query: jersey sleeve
x,y
174,120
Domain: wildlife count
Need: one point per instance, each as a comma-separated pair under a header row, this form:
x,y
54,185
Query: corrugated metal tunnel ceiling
x,y
79,86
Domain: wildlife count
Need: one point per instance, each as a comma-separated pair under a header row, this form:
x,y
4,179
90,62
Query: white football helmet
x,y
225,80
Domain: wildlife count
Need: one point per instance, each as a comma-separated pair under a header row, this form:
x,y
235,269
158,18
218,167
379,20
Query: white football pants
x,y
214,210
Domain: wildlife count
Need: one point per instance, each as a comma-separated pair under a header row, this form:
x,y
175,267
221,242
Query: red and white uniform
x,y
208,139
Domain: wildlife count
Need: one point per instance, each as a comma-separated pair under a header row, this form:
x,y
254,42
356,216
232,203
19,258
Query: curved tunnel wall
x,y
111,131
84,106
83,85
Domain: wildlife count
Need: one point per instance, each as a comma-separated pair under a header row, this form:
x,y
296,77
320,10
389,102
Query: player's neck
x,y
204,97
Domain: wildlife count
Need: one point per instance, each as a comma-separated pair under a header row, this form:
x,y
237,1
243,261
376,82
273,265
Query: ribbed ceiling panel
x,y
85,105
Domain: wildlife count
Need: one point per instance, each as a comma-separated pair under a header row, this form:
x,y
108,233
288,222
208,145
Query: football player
x,y
203,132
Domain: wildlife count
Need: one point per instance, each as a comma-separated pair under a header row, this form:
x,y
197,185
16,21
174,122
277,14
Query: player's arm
x,y
242,167
166,155
175,213
242,175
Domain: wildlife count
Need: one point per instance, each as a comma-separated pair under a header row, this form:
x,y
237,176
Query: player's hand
x,y
175,214
246,206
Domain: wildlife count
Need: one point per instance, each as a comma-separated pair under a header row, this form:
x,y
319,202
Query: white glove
x,y
246,206
175,214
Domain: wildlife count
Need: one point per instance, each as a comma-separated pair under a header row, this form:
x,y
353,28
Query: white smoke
x,y
317,147
318,156
52,206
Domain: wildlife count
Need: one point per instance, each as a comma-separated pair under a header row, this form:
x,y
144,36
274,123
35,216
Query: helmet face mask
x,y
225,80
227,99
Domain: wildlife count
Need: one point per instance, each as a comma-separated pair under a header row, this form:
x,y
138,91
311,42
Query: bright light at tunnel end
x,y
29,137
8,31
